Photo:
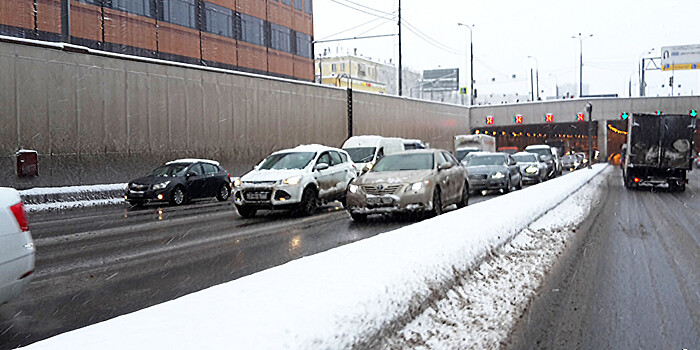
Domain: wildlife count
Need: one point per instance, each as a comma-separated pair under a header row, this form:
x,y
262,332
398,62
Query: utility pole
x,y
589,109
471,63
580,66
400,65
532,87
65,21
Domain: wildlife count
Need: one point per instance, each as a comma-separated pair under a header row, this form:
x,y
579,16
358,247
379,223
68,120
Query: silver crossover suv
x,y
411,181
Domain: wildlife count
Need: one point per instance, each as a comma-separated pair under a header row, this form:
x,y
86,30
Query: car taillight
x,y
20,216
637,180
229,177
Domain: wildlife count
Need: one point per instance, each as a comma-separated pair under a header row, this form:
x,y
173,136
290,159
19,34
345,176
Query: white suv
x,y
16,245
299,178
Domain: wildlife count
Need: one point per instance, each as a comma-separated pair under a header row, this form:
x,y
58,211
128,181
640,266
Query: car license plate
x,y
257,195
380,201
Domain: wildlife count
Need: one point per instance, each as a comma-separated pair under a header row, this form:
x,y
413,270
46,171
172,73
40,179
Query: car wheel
x,y
245,211
465,196
224,193
178,197
309,202
508,185
359,217
520,183
437,203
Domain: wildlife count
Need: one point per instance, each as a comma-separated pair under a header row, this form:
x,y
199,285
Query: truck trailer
x,y
464,144
659,150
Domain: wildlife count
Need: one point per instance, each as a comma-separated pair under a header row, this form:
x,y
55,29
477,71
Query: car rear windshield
x,y
361,154
485,160
570,158
523,158
541,151
399,162
291,160
461,153
170,170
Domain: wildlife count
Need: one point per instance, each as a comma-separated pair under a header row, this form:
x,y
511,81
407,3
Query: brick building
x,y
271,37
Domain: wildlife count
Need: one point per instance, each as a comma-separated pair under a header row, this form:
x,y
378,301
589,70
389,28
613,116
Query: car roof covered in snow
x,y
192,160
310,148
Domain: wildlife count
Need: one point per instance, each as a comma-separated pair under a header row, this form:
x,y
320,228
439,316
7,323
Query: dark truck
x,y
659,150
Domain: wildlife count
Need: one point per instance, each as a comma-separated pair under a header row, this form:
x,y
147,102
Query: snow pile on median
x,y
58,198
341,298
486,304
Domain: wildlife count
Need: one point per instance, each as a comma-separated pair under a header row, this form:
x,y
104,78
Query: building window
x,y
297,4
280,38
304,45
342,67
334,67
252,30
307,6
219,20
139,7
91,2
180,12
287,2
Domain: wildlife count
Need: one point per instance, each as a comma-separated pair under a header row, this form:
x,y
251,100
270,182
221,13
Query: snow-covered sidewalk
x,y
344,297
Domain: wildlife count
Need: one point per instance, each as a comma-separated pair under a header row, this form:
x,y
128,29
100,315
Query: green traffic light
x,y
693,113
658,112
624,116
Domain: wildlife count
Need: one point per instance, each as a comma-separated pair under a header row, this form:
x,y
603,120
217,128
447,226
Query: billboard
x,y
680,57
441,79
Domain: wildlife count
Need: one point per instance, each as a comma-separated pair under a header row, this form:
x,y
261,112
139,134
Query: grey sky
x,y
508,31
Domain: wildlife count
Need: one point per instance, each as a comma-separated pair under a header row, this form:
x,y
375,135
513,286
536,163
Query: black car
x,y
180,181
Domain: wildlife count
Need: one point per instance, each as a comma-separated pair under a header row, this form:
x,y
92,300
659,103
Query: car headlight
x,y
417,186
532,170
237,182
161,185
369,166
576,164
498,175
294,180
353,188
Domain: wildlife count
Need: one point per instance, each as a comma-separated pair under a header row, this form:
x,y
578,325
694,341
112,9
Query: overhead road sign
x,y
441,79
680,57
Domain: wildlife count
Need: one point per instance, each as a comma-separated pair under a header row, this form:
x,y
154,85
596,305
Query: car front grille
x,y
478,177
379,190
137,187
260,182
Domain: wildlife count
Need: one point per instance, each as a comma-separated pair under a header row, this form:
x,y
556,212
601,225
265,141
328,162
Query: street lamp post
x,y
537,76
580,67
471,62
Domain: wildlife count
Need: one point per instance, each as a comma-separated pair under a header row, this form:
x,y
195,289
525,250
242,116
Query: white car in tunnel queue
x,y
300,178
532,169
17,254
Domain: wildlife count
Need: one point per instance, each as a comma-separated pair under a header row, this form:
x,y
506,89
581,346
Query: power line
x,y
360,25
360,10
426,37
367,7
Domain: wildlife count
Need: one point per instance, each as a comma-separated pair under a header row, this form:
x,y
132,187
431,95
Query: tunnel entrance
x,y
567,137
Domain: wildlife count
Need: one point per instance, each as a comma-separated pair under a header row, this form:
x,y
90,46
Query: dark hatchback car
x,y
179,181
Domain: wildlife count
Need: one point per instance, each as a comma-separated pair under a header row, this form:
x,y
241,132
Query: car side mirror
x,y
190,174
444,166
321,166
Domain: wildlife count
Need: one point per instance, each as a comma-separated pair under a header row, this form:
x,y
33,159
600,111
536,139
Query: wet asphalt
x,y
631,279
94,264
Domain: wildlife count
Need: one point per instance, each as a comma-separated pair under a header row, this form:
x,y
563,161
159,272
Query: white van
x,y
365,150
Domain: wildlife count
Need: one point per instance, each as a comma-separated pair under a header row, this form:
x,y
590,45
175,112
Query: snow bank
x,y
56,198
485,305
335,299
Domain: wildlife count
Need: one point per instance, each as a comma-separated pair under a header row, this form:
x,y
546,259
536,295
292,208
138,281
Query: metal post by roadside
x,y
589,110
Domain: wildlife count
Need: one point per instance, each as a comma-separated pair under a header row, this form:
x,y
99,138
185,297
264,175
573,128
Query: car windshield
x,y
289,160
571,158
170,170
361,154
541,151
485,160
524,158
400,162
461,153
